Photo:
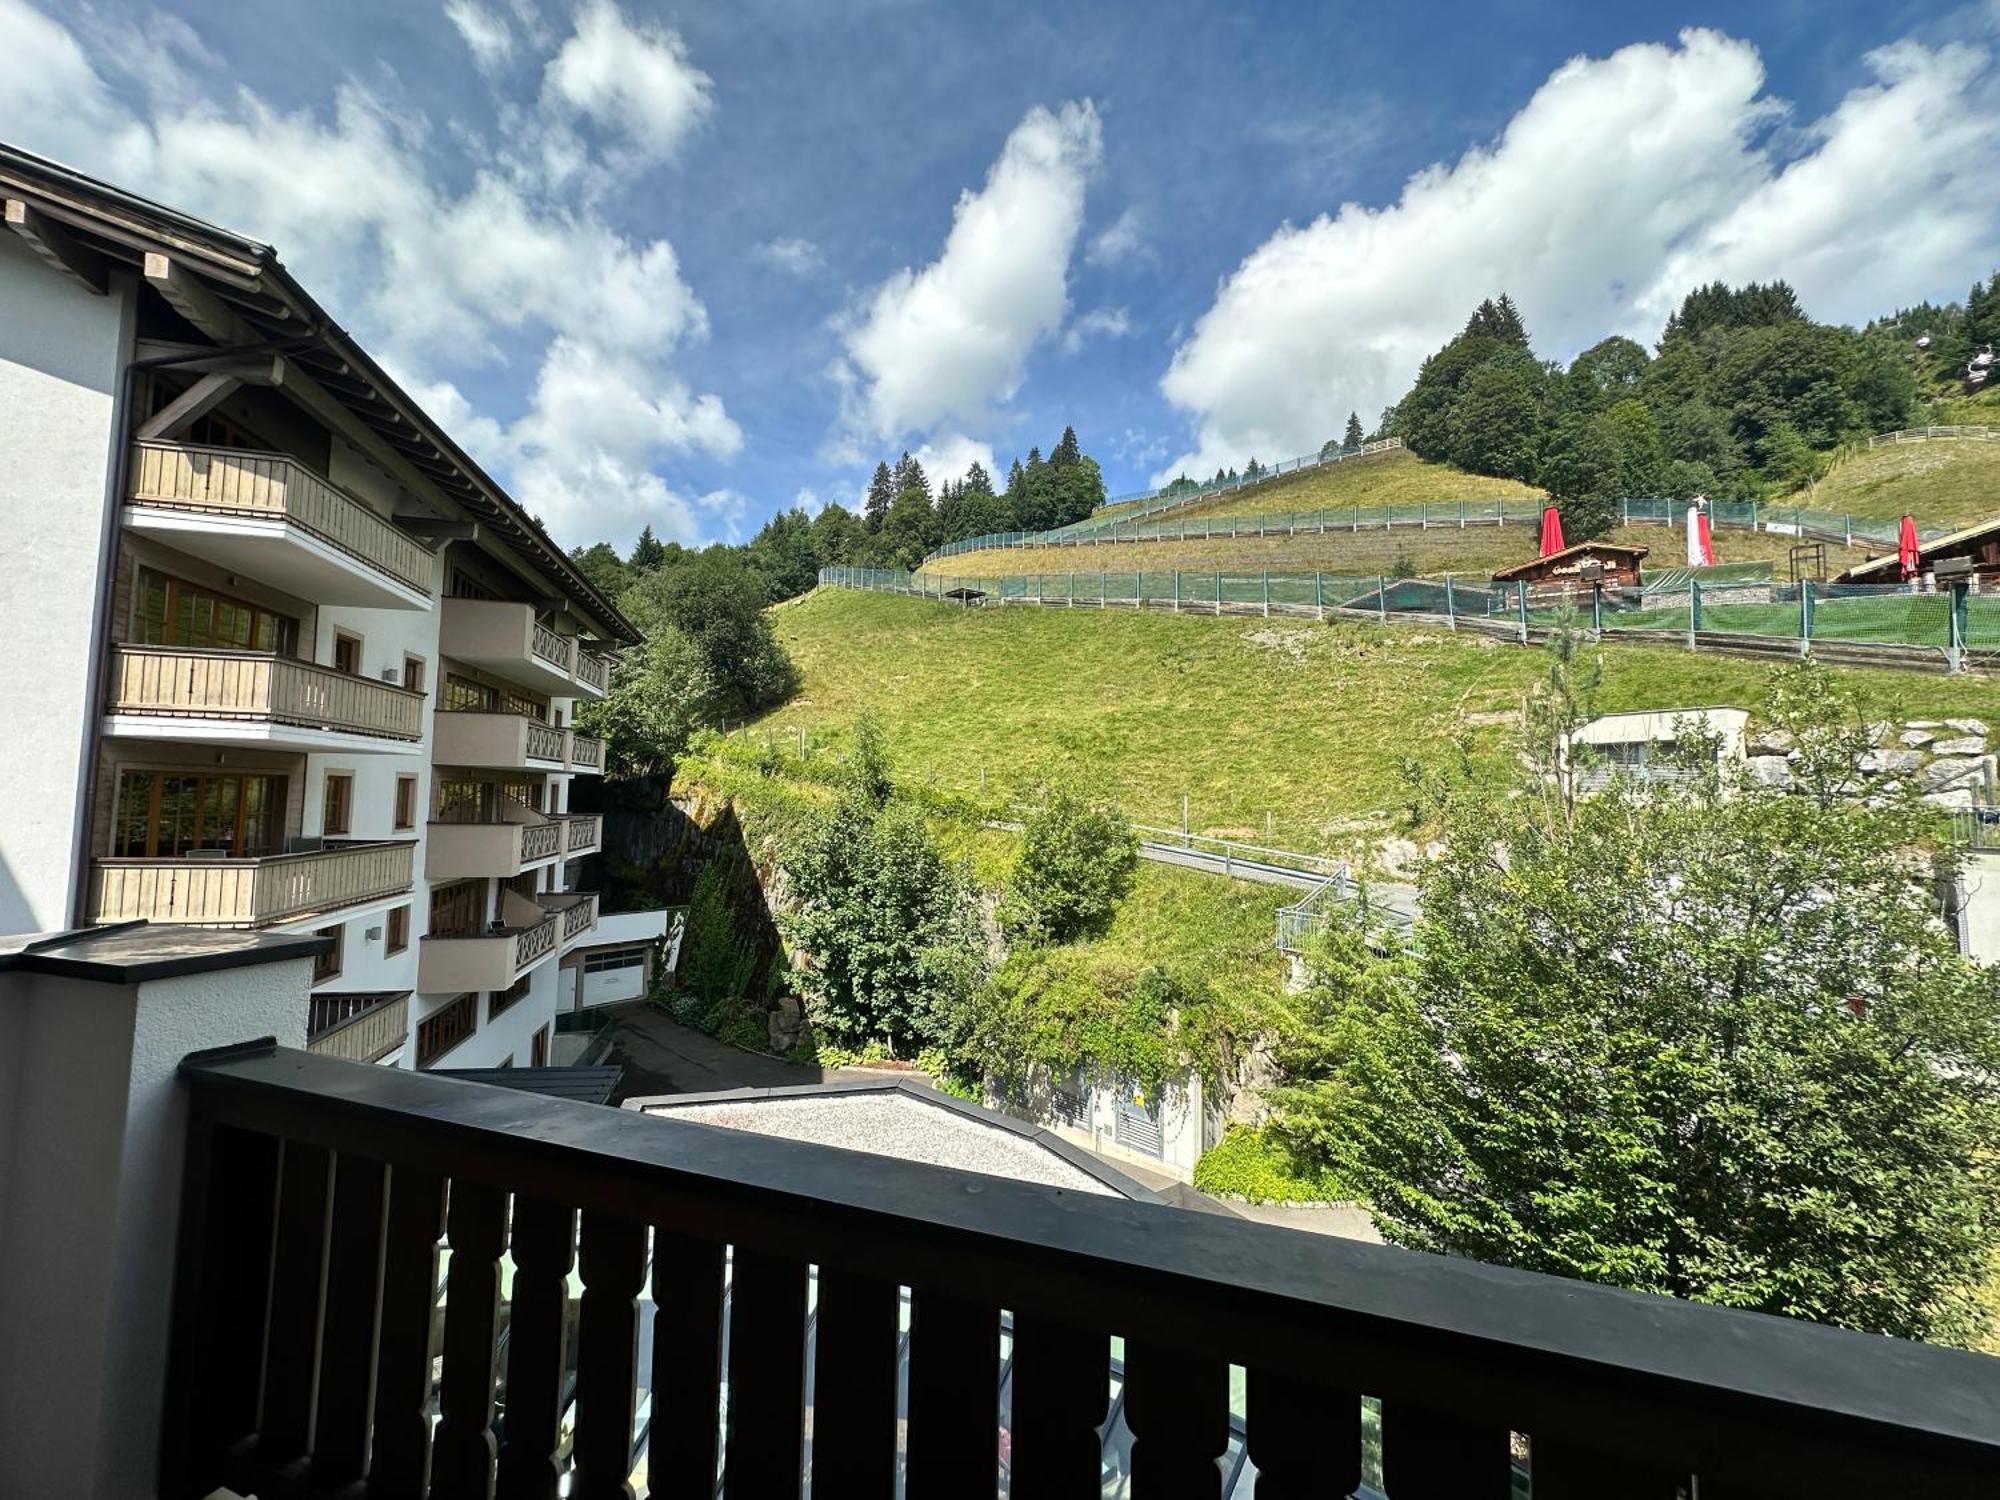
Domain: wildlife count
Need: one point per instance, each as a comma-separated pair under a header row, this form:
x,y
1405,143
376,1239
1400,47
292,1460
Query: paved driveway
x,y
661,1056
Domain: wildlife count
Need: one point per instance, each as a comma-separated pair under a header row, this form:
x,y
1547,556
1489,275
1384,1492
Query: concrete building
x,y
297,664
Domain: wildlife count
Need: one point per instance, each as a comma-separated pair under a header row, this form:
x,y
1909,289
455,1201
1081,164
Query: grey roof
x,y
895,1126
130,952
586,1085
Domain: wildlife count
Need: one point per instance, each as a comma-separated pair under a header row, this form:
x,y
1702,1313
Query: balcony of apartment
x,y
1057,1342
498,742
586,754
506,639
361,1027
583,834
258,700
206,888
493,957
268,517
502,844
576,912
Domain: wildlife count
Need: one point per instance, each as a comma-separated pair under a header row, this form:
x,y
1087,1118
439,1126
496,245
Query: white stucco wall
x,y
94,1142
1980,912
61,353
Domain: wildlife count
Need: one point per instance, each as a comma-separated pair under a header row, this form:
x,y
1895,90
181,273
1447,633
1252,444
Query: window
x,y
347,653
327,965
398,930
526,707
337,813
616,958
501,999
406,802
460,584
458,909
173,612
445,1027
413,673
538,1047
463,695
165,814
206,431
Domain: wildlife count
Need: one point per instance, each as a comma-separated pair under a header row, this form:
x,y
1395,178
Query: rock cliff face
x,y
1947,761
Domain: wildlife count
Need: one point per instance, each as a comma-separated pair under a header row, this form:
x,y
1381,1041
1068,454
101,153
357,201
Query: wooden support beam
x,y
437,529
188,407
56,245
186,295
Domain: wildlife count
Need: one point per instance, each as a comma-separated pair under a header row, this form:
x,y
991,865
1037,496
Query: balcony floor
x,y
277,552
252,734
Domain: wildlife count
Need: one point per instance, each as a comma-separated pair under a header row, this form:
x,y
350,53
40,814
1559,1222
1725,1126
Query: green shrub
x,y
1078,859
1255,1164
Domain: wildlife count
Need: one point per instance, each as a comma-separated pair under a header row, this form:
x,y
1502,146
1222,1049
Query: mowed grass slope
x,y
1476,550
1394,478
1942,482
1287,726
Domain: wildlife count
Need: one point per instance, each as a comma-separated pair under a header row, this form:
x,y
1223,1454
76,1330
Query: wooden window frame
x,y
396,930
327,830
499,1001
284,628
403,812
329,965
348,638
462,1008
278,789
538,1046
413,672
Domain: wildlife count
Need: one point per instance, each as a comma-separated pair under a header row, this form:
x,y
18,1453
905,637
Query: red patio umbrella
x,y
1907,553
1552,532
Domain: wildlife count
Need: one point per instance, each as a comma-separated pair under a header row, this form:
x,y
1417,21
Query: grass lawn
x,y
1394,478
1943,482
1280,725
1432,551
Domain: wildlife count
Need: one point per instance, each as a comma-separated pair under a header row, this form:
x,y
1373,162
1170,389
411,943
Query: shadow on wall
x,y
15,914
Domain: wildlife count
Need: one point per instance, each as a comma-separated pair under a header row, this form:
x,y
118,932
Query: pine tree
x,y
1351,442
647,553
1066,452
881,495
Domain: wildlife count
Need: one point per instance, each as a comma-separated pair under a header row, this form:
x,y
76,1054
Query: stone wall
x,y
1947,761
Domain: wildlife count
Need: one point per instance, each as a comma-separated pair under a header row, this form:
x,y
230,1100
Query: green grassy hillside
x,y
1476,550
1283,725
1394,478
1942,483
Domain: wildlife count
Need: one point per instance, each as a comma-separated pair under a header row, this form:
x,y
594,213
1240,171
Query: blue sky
x,y
683,265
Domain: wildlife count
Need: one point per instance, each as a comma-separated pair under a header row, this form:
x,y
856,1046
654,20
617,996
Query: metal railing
x,y
1977,827
1923,434
234,482
360,1027
318,1197
181,682
248,892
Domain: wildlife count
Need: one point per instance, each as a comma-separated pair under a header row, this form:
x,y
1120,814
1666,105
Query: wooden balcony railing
x,y
594,670
584,832
586,751
248,892
358,1027
554,649
580,918
233,482
178,682
534,942
540,840
545,742
317,1196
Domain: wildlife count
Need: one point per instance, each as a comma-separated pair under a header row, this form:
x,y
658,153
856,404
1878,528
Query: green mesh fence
x,y
1715,604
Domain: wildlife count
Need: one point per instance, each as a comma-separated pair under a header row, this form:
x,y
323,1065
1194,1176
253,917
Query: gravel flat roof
x,y
891,1122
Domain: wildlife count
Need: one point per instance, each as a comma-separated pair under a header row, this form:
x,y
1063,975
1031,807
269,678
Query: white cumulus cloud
x,y
1620,184
950,342
636,81
795,256
1098,323
439,281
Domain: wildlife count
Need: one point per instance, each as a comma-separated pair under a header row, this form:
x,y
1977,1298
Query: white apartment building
x,y
295,662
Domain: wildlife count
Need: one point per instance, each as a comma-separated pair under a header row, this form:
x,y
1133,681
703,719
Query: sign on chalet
x,y
1608,563
1978,544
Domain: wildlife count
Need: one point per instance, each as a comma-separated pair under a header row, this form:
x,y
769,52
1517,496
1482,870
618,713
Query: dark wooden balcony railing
x,y
318,1193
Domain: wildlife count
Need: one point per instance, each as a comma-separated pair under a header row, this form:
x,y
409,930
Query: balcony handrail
x,y
362,1003
586,750
593,669
1458,1352
551,647
241,684
252,482
250,890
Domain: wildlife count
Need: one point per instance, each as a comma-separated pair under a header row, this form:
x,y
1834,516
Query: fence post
x,y
1694,609
1218,591
1850,530
1753,517
1450,603
1139,590
1597,607
1177,590
1959,624
1072,592
1186,842
1319,595
1805,616
1267,593
1382,598
1100,588
1521,605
